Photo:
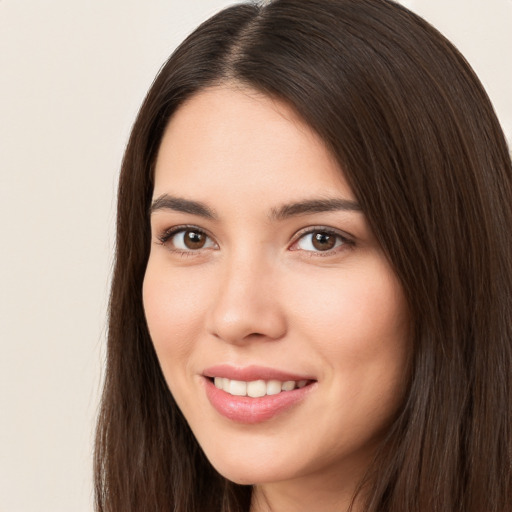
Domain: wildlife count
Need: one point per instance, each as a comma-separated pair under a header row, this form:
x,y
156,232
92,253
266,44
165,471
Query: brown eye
x,y
323,241
194,239
188,239
320,241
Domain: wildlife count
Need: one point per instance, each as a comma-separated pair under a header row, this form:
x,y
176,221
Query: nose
x,y
247,306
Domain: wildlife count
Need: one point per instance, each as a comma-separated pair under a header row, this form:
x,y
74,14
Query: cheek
x,y
174,310
360,309
359,323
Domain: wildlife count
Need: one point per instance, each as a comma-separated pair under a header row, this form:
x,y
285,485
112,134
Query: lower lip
x,y
244,409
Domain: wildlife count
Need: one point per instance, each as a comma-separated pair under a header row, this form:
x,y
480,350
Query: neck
x,y
305,495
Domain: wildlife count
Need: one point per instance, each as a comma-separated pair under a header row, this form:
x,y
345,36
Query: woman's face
x,y
265,279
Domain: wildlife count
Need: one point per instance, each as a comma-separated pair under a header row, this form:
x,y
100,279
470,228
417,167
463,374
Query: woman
x,y
311,304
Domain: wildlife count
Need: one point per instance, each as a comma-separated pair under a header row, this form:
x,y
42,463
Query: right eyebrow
x,y
179,204
312,206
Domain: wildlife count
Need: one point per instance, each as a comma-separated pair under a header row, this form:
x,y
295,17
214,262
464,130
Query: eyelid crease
x,y
324,229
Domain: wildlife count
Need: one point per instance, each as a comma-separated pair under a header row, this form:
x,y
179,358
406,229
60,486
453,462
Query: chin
x,y
243,475
245,469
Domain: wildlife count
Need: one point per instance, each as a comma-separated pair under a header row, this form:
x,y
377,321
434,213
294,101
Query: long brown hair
x,y
419,143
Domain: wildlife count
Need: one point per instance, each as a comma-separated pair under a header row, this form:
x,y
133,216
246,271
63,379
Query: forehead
x,y
227,139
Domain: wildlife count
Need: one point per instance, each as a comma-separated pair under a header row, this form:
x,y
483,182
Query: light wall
x,y
72,76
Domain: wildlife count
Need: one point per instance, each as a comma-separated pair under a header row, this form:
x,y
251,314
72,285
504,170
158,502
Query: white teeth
x,y
273,387
238,388
289,385
256,388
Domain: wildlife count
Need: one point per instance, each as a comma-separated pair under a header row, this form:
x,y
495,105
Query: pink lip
x,y
249,373
244,409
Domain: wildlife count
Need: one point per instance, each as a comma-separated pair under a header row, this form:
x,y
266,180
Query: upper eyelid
x,y
348,241
326,229
183,227
167,233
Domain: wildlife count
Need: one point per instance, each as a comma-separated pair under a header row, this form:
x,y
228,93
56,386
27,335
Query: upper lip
x,y
252,372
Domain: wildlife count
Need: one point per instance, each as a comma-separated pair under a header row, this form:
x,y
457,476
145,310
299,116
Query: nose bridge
x,y
246,304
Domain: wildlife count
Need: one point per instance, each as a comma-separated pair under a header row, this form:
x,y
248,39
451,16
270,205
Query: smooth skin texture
x,y
252,288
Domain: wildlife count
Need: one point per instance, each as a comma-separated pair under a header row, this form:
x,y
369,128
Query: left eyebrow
x,y
179,204
314,206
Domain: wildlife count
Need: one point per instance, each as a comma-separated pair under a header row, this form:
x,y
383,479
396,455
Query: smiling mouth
x,y
257,388
255,401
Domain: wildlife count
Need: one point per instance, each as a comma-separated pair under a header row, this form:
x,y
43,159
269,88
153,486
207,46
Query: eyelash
x,y
168,234
346,241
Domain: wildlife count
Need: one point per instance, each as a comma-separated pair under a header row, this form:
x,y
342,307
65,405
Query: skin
x,y
260,293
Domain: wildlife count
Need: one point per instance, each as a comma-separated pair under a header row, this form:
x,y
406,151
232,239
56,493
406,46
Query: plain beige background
x,y
72,76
